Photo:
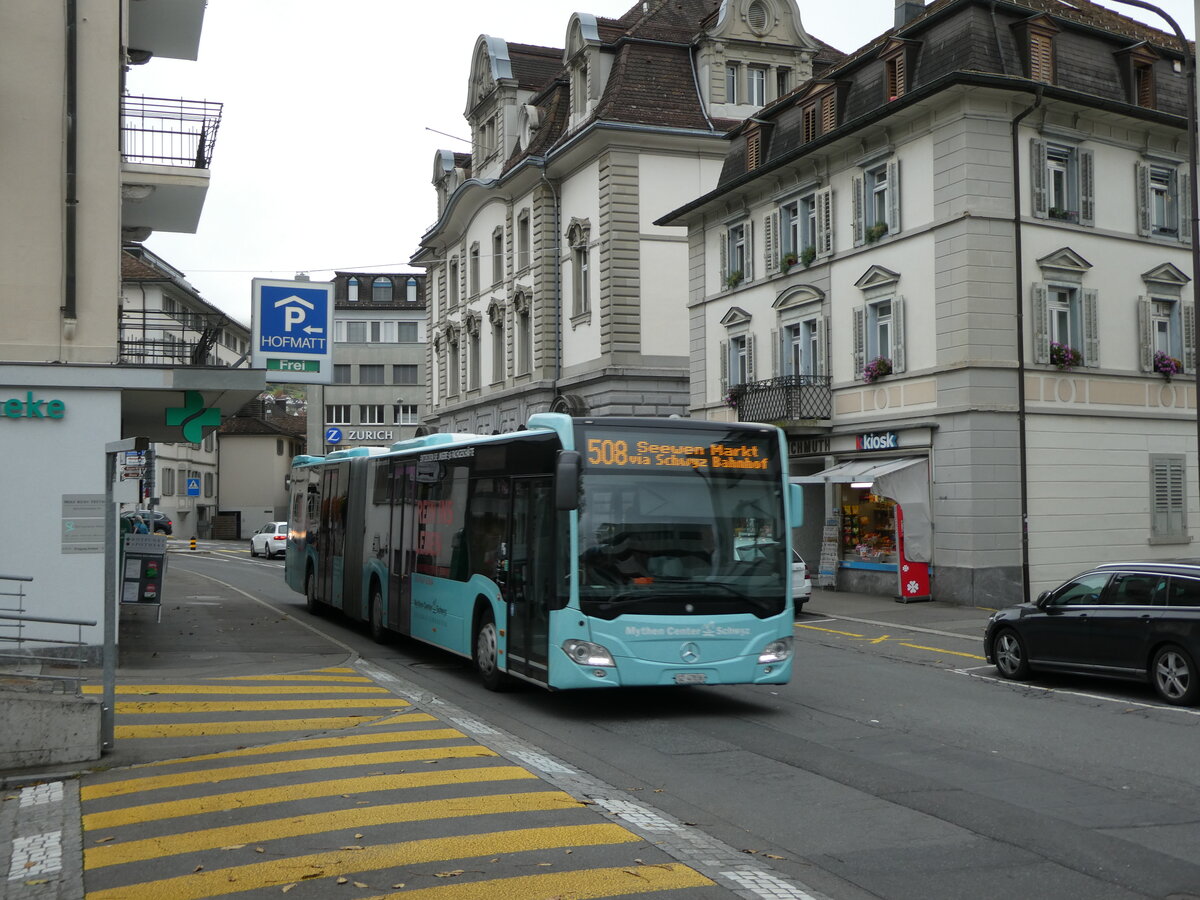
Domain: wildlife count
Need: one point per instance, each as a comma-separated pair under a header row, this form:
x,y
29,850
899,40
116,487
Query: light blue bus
x,y
576,553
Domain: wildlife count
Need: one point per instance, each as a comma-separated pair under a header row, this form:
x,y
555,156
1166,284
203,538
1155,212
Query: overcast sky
x,y
331,117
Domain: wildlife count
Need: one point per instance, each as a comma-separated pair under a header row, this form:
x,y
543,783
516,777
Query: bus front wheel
x,y
487,655
379,631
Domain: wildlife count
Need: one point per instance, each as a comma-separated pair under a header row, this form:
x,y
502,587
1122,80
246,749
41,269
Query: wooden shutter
x,y
1041,325
1145,335
824,200
770,238
1189,337
753,149
1142,173
898,334
1168,500
856,202
893,177
828,113
1087,188
1091,329
860,341
1037,176
1041,57
1185,207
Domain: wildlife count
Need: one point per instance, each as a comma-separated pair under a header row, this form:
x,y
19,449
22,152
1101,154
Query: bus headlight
x,y
588,654
776,651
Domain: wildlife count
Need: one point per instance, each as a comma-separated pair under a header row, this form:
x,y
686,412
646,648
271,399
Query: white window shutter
x,y
893,186
1037,177
1142,173
856,202
748,275
770,237
1091,329
1087,188
860,338
1041,325
825,222
723,238
898,335
724,354
776,347
1189,337
1144,335
1185,207
821,363
750,375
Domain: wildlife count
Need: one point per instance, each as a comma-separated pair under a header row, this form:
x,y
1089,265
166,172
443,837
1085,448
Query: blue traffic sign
x,y
193,487
291,330
333,435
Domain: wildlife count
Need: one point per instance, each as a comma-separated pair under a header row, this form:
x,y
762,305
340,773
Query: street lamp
x,y
1189,69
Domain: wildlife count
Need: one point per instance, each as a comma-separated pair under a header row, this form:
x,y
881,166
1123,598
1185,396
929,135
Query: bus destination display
x,y
651,452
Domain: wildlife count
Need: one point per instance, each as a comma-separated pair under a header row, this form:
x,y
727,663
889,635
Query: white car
x,y
801,582
270,540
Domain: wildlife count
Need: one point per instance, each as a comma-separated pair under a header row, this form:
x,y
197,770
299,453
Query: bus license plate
x,y
691,678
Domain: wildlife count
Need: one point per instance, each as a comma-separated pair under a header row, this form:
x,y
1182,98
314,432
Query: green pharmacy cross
x,y
193,416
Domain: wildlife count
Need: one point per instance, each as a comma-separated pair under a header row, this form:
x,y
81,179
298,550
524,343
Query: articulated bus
x,y
577,553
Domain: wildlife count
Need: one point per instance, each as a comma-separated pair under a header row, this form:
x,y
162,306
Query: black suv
x,y
162,522
1132,620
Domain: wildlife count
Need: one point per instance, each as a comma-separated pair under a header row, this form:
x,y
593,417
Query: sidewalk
x,y
209,630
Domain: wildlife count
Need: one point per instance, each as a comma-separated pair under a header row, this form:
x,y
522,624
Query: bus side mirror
x,y
566,480
796,500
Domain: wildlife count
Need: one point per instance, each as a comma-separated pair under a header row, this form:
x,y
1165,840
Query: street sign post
x,y
292,330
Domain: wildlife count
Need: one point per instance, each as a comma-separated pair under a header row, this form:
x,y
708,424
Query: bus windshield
x,y
693,526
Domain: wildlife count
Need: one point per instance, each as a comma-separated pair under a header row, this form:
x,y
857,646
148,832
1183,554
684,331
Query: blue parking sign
x,y
291,335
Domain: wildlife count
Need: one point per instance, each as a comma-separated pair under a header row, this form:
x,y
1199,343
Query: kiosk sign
x,y
292,330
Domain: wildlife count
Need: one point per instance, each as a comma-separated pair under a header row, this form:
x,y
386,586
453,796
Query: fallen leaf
x,y
198,869
38,881
773,856
358,837
288,887
312,875
361,884
545,864
400,885
570,851
449,874
259,850
353,847
342,880
104,840
658,790
234,847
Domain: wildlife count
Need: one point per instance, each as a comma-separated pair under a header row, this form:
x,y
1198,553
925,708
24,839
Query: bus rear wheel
x,y
487,655
379,631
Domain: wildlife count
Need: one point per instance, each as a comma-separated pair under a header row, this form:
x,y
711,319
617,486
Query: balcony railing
x,y
788,398
165,132
152,337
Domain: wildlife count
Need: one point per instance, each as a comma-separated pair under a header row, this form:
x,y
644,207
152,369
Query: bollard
x,y
193,547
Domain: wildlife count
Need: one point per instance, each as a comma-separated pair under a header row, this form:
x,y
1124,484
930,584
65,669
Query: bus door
x,y
529,583
403,551
331,544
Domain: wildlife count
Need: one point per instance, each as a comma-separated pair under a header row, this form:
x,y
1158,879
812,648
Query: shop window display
x,y
868,527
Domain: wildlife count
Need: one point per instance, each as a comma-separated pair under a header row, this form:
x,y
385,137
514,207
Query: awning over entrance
x,y
857,470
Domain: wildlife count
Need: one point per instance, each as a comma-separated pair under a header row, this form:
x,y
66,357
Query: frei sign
x,y
291,332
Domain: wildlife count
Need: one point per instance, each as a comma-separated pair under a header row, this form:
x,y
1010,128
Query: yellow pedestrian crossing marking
x,y
238,690
174,809
358,679
580,884
275,873
133,708
342,740
198,729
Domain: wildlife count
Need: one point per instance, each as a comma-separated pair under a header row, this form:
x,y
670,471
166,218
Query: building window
x,y
166,480
498,351
1062,182
356,332
279,447
879,333
497,256
808,122
756,17
578,237
753,149
405,373
894,76
352,290
473,272
1041,56
404,414
828,112
739,359
453,363
474,363
731,83
454,283
756,86
381,290
341,374
877,202
410,290
1163,202
1066,315
337,414
372,374
1164,328
736,256
1168,497
800,348
209,484
524,341
523,241
407,333
783,81
372,414
579,90
877,197
879,330
1143,84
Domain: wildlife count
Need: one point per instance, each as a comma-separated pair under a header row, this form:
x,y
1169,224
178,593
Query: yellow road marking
x,y
198,729
359,679
236,690
337,669
232,773
880,640
358,818
346,740
579,884
940,650
829,630
153,707
196,806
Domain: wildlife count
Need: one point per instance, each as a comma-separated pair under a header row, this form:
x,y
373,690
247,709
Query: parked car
x,y
801,580
157,521
1132,620
270,540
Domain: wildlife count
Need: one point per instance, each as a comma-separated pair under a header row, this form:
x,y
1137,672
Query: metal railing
x,y
166,132
153,337
788,398
18,668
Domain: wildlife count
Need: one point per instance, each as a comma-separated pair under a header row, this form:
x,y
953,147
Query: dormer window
x,y
828,112
352,290
1143,84
753,148
579,90
1036,39
808,122
894,76
381,290
1136,65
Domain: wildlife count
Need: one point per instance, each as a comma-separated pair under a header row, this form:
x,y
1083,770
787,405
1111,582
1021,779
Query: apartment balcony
x,y
166,151
152,337
786,400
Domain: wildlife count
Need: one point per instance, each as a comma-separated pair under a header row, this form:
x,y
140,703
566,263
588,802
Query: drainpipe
x,y
70,229
1019,276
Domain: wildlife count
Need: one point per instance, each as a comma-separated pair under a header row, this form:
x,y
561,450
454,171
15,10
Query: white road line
x,y
1123,701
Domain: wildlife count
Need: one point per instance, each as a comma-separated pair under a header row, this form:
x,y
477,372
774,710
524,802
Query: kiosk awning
x,y
857,470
